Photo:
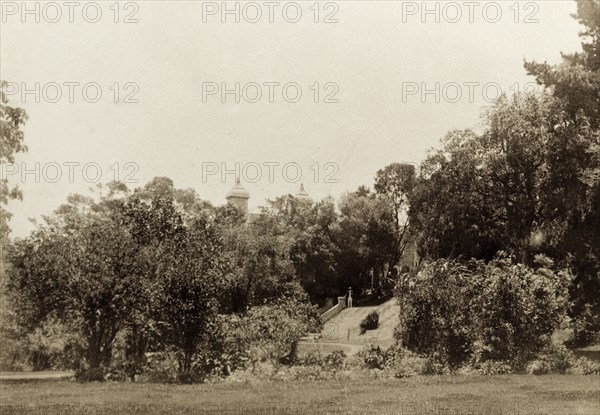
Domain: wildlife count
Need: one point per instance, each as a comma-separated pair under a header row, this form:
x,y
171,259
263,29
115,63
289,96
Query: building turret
x,y
238,196
303,195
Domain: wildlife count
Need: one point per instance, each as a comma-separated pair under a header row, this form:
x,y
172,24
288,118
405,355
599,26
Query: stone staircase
x,y
341,329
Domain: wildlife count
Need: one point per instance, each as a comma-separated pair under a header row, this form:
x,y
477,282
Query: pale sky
x,y
375,51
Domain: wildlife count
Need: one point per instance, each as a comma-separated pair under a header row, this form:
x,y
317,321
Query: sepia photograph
x,y
320,207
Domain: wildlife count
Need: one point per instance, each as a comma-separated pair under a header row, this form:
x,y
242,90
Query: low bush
x,y
334,360
271,331
559,360
124,371
584,366
370,322
409,364
224,364
433,365
399,362
161,367
54,346
492,367
539,367
373,357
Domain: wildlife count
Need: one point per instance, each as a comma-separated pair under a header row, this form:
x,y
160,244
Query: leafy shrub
x,y
409,364
226,350
54,346
211,360
399,362
312,359
313,372
272,331
559,358
518,308
498,311
538,367
435,317
370,322
13,356
161,367
584,366
552,360
373,357
165,367
266,332
585,327
479,364
433,365
223,364
492,367
124,371
333,360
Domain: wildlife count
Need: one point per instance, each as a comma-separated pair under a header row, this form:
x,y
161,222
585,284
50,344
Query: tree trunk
x,y
187,362
94,357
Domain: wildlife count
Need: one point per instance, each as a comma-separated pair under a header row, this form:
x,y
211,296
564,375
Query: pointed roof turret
x,y
303,195
238,191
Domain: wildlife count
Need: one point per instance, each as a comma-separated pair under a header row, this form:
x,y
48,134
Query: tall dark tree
x,y
192,275
453,208
574,162
12,120
395,184
576,81
82,266
313,229
367,241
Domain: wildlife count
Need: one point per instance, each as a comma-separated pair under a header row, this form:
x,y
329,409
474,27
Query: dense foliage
x,y
495,311
152,271
156,282
370,322
12,120
530,182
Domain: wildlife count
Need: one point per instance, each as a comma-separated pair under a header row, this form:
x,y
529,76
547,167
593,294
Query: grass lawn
x,y
454,395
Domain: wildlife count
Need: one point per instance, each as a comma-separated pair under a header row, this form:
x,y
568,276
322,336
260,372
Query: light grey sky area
x,y
323,93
